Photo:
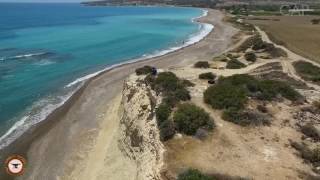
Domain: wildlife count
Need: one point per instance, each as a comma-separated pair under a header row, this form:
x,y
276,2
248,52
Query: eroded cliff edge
x,y
139,136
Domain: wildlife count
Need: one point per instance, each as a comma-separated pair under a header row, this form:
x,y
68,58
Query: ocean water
x,y
47,50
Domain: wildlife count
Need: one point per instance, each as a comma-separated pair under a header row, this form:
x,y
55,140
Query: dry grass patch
x,y
296,33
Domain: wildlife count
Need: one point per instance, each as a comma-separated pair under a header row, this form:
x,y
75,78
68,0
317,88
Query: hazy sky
x,y
41,1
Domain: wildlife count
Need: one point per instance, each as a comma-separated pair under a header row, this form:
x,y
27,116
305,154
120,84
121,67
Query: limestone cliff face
x,y
139,133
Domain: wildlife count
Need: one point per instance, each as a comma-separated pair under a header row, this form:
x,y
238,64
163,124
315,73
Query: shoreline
x,y
20,126
98,91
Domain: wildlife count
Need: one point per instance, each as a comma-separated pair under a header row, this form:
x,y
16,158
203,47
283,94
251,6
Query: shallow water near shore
x,y
46,47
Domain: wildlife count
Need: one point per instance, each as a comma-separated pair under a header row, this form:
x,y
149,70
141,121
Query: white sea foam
x,y
27,55
47,106
23,56
44,62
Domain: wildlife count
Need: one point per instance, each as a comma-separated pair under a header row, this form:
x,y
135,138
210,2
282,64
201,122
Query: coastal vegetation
x,y
257,44
208,76
307,71
231,95
235,64
254,40
202,64
193,174
144,70
188,118
250,56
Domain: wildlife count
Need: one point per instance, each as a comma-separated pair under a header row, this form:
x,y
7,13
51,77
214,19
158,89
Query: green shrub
x,y
187,83
258,45
221,58
271,88
170,85
162,113
235,64
189,118
166,81
249,83
144,70
208,75
307,71
250,56
251,41
245,118
231,94
173,90
182,94
224,96
275,52
167,130
202,64
193,174
171,100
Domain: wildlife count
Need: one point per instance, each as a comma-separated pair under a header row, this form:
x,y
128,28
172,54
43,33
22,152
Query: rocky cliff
x,y
139,133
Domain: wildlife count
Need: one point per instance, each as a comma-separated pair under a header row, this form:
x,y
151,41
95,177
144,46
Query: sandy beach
x,y
79,140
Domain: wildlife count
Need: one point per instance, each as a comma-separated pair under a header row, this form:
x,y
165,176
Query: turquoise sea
x,y
47,50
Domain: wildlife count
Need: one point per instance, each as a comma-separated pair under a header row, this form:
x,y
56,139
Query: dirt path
x,y
287,65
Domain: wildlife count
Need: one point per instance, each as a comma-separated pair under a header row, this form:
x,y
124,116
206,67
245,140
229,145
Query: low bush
x,y
231,94
208,75
171,100
193,174
224,96
189,118
173,90
270,89
187,83
202,64
245,118
307,71
274,51
243,80
144,70
166,81
250,56
167,130
162,113
248,43
221,58
259,45
171,86
182,94
235,64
